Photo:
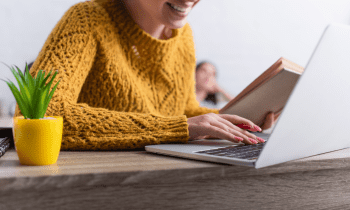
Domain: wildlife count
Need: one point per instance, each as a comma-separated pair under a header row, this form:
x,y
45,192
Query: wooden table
x,y
141,180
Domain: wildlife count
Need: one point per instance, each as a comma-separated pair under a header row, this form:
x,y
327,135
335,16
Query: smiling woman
x,y
159,17
127,77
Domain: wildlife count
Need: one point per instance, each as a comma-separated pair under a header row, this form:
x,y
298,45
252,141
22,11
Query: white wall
x,y
25,25
245,37
242,37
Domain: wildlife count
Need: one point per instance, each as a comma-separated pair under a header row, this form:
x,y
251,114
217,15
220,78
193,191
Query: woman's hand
x,y
223,126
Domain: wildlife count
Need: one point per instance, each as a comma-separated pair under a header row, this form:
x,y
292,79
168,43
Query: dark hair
x,y
211,97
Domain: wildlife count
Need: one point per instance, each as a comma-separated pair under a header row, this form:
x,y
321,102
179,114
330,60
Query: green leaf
x,y
48,99
28,73
47,87
45,93
38,78
31,83
21,104
37,105
43,106
47,77
34,95
20,73
53,77
25,93
39,96
42,80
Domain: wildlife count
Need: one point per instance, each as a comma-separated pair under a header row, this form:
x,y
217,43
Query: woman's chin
x,y
175,24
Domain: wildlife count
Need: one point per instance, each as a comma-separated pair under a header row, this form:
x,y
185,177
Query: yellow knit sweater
x,y
120,88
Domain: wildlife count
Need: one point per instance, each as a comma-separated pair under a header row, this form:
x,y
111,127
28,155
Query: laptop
x,y
314,120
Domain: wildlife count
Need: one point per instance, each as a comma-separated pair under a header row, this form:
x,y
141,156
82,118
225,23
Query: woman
x,y
207,89
127,77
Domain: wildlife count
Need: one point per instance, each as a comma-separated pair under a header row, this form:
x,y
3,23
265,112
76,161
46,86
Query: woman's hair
x,y
211,97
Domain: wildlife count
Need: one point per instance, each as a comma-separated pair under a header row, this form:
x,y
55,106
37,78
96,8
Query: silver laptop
x,y
315,119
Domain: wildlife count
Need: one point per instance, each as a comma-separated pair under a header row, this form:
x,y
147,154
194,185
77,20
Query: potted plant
x,y
37,137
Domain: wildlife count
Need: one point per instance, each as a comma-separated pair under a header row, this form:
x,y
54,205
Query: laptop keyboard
x,y
250,152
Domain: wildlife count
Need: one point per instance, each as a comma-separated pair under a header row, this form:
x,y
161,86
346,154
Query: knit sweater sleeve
x,y
71,49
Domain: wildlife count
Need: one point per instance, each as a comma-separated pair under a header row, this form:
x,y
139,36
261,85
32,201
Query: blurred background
x,y
242,38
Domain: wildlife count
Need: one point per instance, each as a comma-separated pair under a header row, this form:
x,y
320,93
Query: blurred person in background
x,y
208,92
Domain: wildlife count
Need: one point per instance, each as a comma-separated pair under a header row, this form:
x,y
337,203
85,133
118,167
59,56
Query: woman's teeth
x,y
180,9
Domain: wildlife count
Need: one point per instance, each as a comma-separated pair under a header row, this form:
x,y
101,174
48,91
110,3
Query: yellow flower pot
x,y
38,141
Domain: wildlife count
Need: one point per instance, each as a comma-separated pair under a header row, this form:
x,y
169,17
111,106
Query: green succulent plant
x,y
33,97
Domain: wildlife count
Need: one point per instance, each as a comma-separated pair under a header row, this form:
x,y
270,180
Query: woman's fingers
x,y
248,137
222,126
241,122
243,126
224,134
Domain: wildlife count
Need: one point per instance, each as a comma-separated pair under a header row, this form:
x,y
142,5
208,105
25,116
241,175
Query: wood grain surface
x,y
141,180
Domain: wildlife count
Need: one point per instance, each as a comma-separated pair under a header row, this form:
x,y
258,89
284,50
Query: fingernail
x,y
243,126
257,128
260,139
253,141
238,138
